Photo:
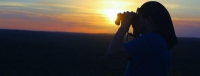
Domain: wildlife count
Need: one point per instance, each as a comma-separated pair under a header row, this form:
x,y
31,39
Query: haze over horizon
x,y
90,16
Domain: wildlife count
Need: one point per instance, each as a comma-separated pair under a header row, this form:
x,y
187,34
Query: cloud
x,y
172,6
187,28
39,7
43,22
186,19
12,4
36,4
59,5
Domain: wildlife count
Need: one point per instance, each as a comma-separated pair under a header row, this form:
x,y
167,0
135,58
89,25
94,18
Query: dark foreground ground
x,y
71,54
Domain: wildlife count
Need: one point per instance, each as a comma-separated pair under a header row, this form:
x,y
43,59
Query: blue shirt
x,y
149,56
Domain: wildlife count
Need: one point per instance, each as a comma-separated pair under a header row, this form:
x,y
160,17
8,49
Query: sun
x,y
111,14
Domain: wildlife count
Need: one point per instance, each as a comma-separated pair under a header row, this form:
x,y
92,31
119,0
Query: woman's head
x,y
145,23
154,16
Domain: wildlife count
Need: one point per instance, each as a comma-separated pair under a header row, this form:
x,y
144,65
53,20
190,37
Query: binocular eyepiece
x,y
118,19
120,16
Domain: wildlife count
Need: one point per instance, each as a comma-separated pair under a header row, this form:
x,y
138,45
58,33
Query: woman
x,y
148,54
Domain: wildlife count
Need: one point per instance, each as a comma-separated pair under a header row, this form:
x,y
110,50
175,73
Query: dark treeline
x,y
79,54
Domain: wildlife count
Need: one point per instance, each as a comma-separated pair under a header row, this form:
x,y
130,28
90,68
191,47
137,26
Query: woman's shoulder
x,y
151,36
158,40
154,38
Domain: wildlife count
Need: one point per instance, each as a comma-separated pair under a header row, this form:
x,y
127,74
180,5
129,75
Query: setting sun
x,y
111,13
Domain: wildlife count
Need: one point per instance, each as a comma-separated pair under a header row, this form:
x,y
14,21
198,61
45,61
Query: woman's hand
x,y
127,20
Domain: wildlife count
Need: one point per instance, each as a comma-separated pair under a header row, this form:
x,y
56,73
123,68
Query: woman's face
x,y
140,25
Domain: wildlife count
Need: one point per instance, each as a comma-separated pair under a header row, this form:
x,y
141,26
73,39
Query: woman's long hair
x,y
162,20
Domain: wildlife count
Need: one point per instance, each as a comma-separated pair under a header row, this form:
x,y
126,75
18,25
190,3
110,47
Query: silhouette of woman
x,y
148,54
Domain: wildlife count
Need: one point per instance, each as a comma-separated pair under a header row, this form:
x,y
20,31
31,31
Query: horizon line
x,y
71,32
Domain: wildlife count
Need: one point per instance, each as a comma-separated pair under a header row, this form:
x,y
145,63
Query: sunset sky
x,y
90,16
